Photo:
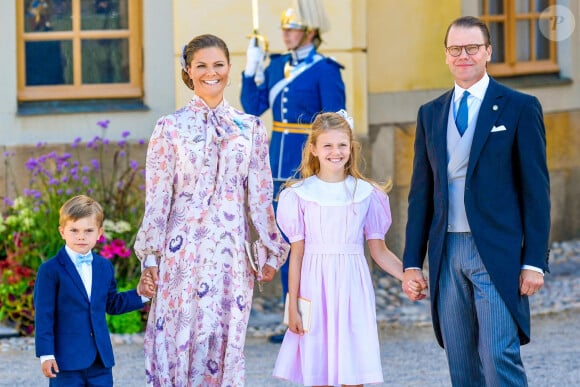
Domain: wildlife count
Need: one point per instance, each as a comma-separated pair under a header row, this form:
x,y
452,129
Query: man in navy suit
x,y
479,205
73,292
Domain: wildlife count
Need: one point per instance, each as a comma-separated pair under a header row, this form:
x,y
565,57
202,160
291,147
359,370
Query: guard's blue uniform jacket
x,y
315,85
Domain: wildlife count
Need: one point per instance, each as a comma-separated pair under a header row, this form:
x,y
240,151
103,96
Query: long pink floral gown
x,y
200,162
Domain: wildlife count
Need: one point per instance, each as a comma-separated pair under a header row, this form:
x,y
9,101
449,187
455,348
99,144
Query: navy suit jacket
x,y
507,194
69,325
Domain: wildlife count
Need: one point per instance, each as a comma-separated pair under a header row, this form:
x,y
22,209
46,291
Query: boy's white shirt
x,y
85,271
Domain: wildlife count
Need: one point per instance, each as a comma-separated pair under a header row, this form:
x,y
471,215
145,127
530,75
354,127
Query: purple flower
x,y
31,164
103,124
133,164
125,134
95,163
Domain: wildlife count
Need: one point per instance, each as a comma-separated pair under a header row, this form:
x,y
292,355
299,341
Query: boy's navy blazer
x,y
507,196
69,325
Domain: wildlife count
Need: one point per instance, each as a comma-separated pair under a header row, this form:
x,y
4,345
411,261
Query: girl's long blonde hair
x,y
310,164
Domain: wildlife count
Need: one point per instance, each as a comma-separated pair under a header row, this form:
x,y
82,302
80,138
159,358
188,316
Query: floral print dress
x,y
200,163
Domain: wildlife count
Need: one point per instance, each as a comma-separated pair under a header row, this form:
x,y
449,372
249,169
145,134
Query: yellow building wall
x,y
405,44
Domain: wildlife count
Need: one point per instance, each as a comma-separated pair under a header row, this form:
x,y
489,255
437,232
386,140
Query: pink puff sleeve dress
x,y
334,219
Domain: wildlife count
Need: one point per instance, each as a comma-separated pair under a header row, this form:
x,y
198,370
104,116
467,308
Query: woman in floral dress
x,y
207,168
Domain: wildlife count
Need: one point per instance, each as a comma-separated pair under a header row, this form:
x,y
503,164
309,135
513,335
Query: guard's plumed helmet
x,y
305,15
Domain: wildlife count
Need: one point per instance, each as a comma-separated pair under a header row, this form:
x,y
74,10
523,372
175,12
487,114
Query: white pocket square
x,y
498,128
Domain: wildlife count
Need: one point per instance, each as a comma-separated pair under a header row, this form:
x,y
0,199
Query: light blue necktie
x,y
462,114
87,258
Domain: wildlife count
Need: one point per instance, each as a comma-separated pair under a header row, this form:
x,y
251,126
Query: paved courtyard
x,y
410,357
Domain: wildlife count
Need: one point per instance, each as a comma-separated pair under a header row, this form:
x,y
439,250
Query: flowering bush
x,y
101,169
16,304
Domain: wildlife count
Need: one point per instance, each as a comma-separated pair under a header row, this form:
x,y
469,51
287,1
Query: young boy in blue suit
x,y
74,290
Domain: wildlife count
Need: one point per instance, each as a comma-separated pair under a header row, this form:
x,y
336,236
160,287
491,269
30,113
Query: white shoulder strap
x,y
282,83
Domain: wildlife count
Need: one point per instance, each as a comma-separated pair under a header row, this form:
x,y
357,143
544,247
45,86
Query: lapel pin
x,y
494,107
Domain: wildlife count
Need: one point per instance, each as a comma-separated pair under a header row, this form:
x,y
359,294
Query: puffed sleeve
x,y
290,215
378,219
159,175
260,194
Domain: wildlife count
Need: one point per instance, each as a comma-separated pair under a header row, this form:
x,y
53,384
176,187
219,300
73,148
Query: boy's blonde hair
x,y
79,207
310,164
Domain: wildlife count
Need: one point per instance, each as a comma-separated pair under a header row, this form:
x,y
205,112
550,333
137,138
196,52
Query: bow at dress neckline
x,y
219,127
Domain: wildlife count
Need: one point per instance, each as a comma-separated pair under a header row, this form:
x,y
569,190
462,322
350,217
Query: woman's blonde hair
x,y
310,164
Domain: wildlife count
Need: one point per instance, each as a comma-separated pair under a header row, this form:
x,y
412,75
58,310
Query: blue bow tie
x,y
87,258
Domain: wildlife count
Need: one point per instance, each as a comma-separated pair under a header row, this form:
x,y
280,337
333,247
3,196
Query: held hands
x,y
530,282
49,368
254,58
267,273
148,282
414,284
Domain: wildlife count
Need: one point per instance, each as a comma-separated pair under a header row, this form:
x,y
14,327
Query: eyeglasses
x,y
470,49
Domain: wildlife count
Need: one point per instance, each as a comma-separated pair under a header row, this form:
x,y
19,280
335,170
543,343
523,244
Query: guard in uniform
x,y
296,86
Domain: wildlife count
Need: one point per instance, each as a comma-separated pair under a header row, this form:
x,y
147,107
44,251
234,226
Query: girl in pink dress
x,y
326,215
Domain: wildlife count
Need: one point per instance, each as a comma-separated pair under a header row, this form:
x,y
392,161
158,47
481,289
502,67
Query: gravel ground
x,y
409,352
410,357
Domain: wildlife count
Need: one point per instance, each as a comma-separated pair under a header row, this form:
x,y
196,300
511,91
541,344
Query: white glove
x,y
254,56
